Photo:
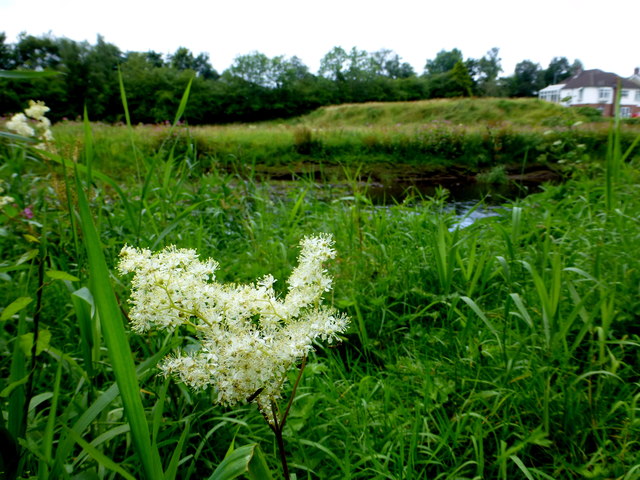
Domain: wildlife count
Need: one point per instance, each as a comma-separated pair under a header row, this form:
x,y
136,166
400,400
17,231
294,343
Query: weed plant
x,y
506,349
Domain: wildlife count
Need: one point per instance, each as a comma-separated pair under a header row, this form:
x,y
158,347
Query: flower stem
x,y
278,425
277,430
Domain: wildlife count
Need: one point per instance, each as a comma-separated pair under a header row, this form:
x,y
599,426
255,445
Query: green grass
x,y
468,134
507,349
460,111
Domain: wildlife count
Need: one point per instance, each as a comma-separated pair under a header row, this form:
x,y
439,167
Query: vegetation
x,y
505,349
254,88
433,135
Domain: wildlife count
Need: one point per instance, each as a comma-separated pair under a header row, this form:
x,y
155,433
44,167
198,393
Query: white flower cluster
x,y
5,200
19,123
248,337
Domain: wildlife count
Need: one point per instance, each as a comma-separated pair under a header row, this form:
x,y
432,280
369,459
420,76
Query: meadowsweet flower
x,y
37,110
20,125
6,199
248,337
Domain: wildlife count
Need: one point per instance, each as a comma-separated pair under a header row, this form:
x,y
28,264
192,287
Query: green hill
x,y
460,111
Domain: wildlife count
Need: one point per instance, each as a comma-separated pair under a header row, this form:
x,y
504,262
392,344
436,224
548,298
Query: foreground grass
x,y
507,349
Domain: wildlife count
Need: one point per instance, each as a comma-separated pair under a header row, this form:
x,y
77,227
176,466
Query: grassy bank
x,y
507,349
469,134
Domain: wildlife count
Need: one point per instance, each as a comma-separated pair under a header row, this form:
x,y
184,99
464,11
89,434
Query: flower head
x,y
5,199
37,110
248,338
19,123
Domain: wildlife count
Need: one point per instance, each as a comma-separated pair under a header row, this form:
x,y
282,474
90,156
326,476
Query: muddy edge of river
x,y
391,182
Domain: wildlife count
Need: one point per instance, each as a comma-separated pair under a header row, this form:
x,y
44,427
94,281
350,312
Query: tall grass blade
x,y
65,444
172,469
247,460
123,98
116,342
18,377
127,116
183,103
525,471
474,306
100,457
27,74
43,471
614,155
88,145
83,306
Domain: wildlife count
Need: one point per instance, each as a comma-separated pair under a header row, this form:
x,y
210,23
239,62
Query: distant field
x,y
434,135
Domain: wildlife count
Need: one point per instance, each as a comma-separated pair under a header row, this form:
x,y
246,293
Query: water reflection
x,y
468,212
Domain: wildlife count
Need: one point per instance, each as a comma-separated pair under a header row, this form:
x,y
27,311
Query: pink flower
x,y
27,213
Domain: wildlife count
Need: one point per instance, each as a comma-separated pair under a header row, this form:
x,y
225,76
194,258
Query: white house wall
x,y
590,95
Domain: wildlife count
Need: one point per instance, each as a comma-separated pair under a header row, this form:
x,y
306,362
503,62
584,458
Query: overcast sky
x,y
604,35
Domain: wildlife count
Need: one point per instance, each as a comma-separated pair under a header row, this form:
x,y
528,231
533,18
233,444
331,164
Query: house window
x,y
624,94
637,95
580,96
604,94
625,112
550,96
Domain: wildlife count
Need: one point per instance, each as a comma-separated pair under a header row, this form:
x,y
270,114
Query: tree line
x,y
255,87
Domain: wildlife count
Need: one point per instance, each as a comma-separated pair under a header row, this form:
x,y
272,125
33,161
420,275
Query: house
x,y
597,89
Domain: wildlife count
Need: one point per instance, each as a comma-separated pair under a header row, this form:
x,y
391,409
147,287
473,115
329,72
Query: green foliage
x,y
592,114
254,88
247,460
444,62
470,134
495,175
526,81
506,349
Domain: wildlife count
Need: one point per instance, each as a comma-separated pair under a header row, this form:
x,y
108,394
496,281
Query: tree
x,y
203,68
36,53
75,67
341,66
456,82
153,58
334,64
293,70
576,67
6,53
444,61
103,89
183,59
557,71
461,81
386,63
527,80
255,68
485,73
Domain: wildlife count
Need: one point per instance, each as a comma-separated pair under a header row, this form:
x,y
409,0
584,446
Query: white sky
x,y
604,35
